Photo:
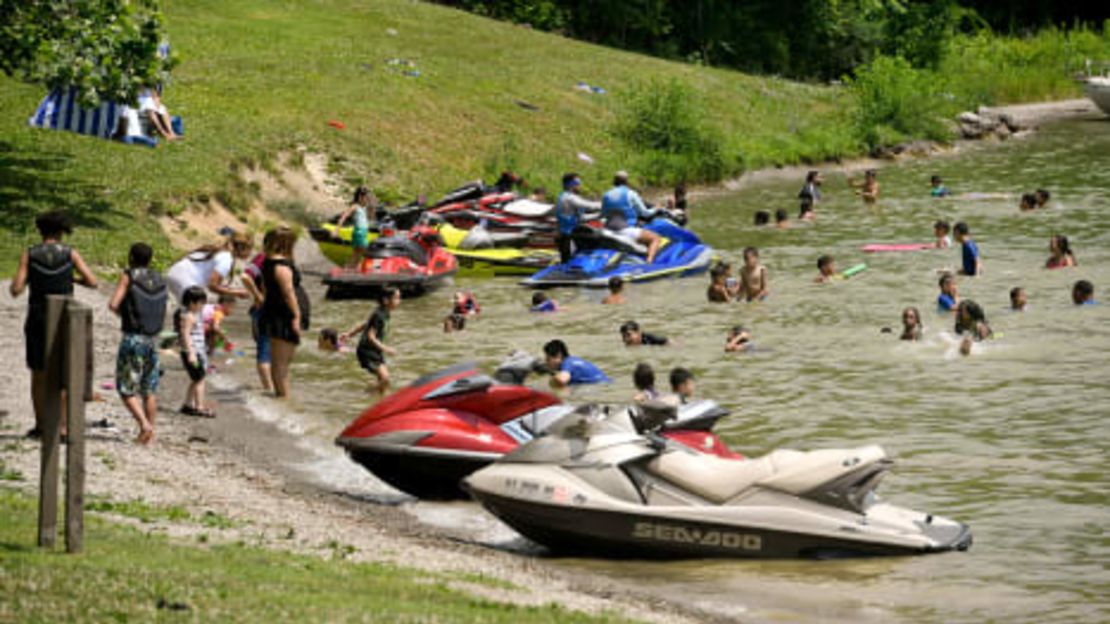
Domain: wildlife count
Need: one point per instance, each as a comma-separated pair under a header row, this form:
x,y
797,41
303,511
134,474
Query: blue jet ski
x,y
602,254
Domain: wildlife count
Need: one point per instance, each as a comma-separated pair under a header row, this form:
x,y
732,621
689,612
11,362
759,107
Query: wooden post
x,y
77,357
49,421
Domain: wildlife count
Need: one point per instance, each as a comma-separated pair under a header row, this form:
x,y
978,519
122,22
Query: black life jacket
x,y
144,307
49,272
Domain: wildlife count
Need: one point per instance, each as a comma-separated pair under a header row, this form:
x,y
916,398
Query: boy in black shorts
x,y
373,332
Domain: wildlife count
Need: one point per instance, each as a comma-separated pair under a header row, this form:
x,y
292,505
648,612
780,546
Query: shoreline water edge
x,y
253,466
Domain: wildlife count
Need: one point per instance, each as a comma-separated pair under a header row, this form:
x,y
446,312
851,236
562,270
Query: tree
x,y
107,49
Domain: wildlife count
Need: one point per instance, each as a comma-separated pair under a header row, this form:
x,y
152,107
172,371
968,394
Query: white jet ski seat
x,y
529,209
795,472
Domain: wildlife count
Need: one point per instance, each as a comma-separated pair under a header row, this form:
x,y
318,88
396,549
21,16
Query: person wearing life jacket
x,y
140,302
570,210
47,268
622,208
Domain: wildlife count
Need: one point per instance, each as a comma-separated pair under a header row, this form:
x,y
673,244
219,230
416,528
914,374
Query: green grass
x,y
260,77
124,575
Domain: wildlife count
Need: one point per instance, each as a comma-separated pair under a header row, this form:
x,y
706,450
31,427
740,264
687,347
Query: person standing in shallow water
x,y
47,269
281,317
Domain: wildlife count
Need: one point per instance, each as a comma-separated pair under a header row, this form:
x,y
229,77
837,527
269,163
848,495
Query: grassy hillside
x,y
259,77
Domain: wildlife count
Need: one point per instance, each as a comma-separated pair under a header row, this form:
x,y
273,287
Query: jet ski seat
x,y
586,237
529,209
794,472
395,246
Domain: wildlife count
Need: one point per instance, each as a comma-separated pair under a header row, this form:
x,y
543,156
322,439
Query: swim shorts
x,y
631,233
370,359
198,372
137,366
261,343
360,238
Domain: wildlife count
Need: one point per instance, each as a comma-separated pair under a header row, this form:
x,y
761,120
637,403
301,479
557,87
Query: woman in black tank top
x,y
47,268
281,317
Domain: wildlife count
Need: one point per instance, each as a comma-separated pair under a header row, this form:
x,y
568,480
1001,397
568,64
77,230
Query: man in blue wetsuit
x,y
567,370
569,211
622,208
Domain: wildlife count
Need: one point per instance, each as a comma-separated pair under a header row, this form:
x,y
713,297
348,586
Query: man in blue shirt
x,y
568,370
622,208
569,211
973,264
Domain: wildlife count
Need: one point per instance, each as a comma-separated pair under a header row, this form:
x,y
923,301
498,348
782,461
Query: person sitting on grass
x,y
140,302
633,337
616,292
47,269
158,118
568,370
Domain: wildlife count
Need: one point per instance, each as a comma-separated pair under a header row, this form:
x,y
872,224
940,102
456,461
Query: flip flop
x,y
188,410
205,413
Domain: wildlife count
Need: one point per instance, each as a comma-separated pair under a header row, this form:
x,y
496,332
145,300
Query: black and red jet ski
x,y
414,262
426,437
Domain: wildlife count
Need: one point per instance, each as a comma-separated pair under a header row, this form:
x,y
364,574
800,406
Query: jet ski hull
x,y
425,475
571,529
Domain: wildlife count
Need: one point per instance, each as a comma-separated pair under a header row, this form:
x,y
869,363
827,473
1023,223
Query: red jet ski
x,y
426,437
414,261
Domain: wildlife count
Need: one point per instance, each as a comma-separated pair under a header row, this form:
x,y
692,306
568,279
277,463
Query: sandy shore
x,y
246,470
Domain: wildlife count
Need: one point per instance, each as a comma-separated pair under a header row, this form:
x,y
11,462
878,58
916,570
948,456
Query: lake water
x,y
1012,440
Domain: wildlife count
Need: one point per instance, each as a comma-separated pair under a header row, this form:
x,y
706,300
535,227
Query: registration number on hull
x,y
702,537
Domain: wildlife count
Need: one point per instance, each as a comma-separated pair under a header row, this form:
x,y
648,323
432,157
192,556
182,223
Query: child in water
x,y
373,333
1017,299
328,341
718,291
949,296
738,339
682,384
1028,202
869,187
911,324
1062,256
1042,196
616,292
633,336
762,217
826,269
644,380
463,304
972,261
782,221
940,231
938,189
542,303
971,320
1083,293
753,277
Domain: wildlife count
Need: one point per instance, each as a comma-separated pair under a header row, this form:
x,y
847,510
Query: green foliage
x,y
989,69
894,102
140,510
126,575
108,49
664,121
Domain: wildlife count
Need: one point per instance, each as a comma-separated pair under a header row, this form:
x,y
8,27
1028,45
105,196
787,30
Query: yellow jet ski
x,y
335,243
494,254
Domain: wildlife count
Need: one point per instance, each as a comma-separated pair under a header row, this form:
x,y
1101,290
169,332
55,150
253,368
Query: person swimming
x,y
941,230
1062,256
753,277
1028,202
682,384
949,296
938,189
826,269
616,292
568,370
869,187
782,220
643,377
971,320
633,336
1018,299
762,217
543,304
1042,196
738,339
1083,293
718,291
911,324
